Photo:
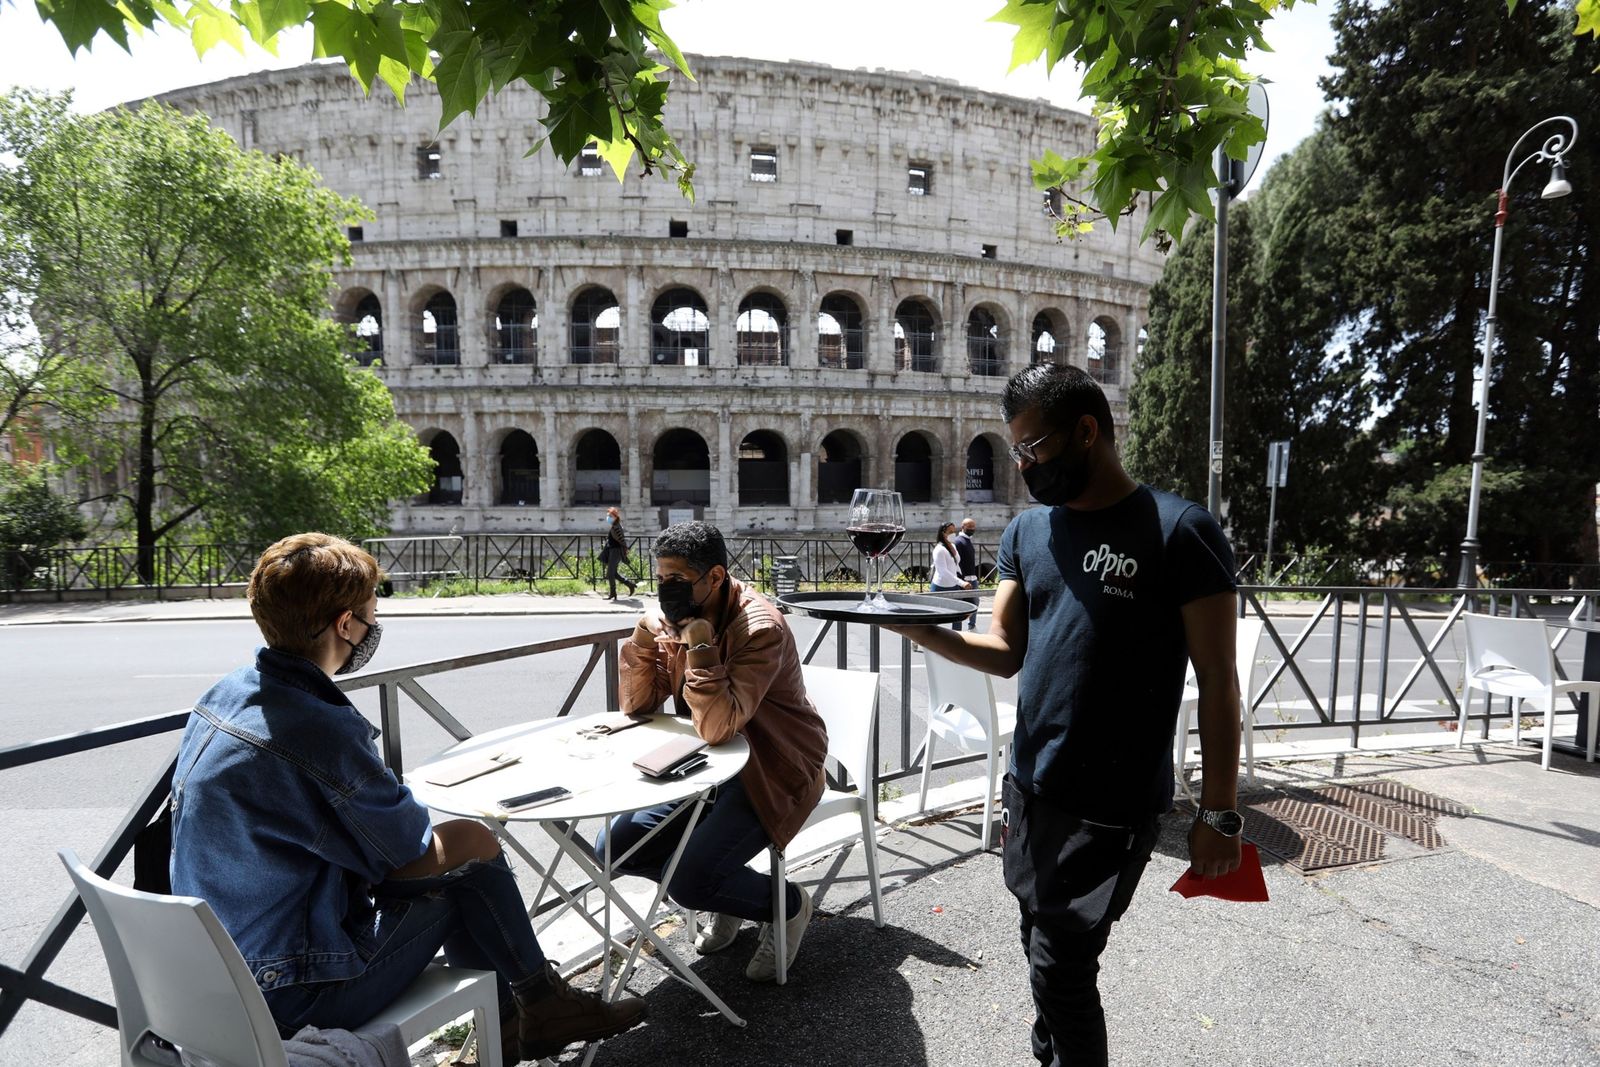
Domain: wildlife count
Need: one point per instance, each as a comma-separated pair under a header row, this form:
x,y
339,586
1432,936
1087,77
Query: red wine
x,y
873,539
899,535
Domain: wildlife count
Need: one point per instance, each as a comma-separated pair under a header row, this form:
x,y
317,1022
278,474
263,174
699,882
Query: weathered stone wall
x,y
844,142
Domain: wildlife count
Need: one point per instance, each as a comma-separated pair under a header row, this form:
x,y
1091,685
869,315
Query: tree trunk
x,y
144,498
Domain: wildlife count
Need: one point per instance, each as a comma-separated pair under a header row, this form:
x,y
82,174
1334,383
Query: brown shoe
x,y
554,1015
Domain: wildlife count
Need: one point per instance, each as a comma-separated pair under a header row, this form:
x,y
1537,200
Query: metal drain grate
x,y
1310,834
1341,825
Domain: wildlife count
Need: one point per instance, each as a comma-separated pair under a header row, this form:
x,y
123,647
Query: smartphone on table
x,y
524,801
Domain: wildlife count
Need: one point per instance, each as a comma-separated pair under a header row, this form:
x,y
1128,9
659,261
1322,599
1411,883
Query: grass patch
x,y
499,586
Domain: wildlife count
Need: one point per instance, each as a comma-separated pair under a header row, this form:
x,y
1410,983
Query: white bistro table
x,y
600,773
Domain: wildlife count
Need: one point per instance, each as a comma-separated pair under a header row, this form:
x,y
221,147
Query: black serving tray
x,y
905,609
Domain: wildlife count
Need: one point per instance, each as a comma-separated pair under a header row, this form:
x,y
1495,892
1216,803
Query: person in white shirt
x,y
946,572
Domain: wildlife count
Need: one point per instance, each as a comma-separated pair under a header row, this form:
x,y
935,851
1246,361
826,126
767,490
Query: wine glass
x,y
876,524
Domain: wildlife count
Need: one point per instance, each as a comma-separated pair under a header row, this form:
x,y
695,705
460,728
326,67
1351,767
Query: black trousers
x,y
614,561
1073,879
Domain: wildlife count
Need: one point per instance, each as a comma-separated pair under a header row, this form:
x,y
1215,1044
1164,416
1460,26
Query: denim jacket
x,y
283,815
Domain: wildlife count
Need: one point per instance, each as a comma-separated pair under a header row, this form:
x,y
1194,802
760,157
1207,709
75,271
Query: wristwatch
x,y
1228,823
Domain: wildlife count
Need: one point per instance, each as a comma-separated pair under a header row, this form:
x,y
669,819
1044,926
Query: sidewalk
x,y
1482,952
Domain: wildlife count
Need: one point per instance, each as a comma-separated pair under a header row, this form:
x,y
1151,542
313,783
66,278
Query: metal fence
x,y
193,570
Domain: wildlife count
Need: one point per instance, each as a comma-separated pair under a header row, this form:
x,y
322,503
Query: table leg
x,y
645,930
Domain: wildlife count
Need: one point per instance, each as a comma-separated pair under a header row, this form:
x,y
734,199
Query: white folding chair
x,y
178,977
1513,658
848,704
962,711
1247,636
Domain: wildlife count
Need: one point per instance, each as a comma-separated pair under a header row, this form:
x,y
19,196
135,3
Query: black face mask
x,y
1058,481
677,600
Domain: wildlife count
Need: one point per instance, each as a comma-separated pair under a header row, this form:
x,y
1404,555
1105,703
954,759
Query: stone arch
x,y
596,469
987,340
513,325
438,327
449,480
982,471
916,335
680,463
761,331
1050,337
1103,350
842,331
915,463
841,465
594,326
362,311
680,328
763,470
519,470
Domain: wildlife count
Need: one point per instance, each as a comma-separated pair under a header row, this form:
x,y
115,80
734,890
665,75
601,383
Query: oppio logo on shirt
x,y
1108,566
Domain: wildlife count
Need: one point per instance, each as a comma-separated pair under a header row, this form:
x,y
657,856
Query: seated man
x,y
322,867
723,655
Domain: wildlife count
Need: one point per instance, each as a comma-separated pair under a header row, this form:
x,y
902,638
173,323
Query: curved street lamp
x,y
1553,150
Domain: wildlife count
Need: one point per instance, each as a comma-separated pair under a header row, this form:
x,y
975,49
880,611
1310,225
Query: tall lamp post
x,y
1553,150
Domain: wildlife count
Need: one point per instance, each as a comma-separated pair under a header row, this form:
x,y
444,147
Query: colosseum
x,y
866,261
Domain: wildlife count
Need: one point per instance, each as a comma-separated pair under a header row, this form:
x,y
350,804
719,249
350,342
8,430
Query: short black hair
x,y
699,544
1063,394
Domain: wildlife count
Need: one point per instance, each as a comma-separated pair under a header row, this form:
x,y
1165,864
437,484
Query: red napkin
x,y
1245,884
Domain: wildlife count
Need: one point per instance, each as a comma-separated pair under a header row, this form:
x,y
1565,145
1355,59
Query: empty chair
x,y
962,711
848,704
1247,636
1513,658
178,977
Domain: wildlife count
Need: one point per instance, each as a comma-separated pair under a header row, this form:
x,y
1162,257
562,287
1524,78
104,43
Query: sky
x,y
943,38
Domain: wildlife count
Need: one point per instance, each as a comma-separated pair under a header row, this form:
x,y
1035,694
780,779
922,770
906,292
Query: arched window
x,y
985,349
595,327
597,469
438,343
1139,343
1049,337
515,335
682,464
913,469
841,333
1103,355
368,316
680,329
448,484
980,471
761,332
763,470
838,468
519,470
916,337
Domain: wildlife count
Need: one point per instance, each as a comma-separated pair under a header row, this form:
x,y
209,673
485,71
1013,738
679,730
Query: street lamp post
x,y
1554,150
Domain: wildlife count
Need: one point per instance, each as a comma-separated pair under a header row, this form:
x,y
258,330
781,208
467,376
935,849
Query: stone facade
x,y
867,258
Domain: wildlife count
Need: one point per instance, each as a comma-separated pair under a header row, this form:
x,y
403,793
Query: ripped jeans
x,y
475,913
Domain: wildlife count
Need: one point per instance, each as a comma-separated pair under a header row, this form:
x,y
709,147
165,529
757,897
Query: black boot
x,y
551,1015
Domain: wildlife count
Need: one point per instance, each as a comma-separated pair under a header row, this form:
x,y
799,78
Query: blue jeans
x,y
971,621
474,912
711,874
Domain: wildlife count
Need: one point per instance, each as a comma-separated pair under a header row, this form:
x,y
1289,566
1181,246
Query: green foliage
x,y
33,520
1169,88
1357,288
187,281
595,62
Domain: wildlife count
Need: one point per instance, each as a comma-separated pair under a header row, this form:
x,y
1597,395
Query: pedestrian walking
x,y
967,560
615,553
946,575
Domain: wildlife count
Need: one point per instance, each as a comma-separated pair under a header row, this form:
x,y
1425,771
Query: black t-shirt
x,y
1102,677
